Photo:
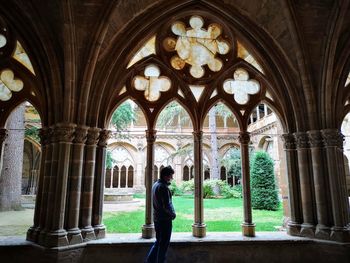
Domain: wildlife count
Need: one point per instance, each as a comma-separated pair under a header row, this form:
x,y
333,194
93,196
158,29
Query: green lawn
x,y
219,215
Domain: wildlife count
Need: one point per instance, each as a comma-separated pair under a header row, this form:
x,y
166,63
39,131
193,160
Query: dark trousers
x,y
157,254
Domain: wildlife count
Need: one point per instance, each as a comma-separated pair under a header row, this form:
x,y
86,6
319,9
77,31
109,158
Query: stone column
x,y
111,182
119,175
57,236
75,178
257,113
248,228
34,231
321,185
265,110
3,136
306,185
294,224
148,227
199,227
126,176
48,140
87,230
333,142
100,229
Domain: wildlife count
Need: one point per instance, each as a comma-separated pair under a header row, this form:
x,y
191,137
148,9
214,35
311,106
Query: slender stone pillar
x,y
148,227
257,113
199,227
75,178
321,185
34,231
119,175
248,228
57,236
296,218
265,110
126,177
111,181
100,173
3,136
333,142
306,185
87,230
46,162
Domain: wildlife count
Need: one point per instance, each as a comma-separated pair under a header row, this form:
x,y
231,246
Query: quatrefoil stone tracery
x,y
196,46
241,86
151,83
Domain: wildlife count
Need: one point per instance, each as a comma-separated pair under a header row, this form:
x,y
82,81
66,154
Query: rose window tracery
x,y
196,46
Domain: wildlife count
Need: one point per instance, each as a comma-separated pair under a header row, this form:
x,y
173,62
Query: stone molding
x,y
104,136
93,136
80,134
332,137
197,136
244,137
301,140
3,135
288,141
315,138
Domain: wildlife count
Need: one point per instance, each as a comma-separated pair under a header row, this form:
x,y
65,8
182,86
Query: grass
x,y
224,215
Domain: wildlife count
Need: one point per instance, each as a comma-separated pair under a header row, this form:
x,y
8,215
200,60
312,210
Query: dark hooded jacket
x,y
163,208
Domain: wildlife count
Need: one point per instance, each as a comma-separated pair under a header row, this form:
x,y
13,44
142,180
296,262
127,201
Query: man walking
x,y
163,214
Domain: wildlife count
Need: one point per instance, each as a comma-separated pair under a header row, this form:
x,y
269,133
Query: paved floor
x,y
18,222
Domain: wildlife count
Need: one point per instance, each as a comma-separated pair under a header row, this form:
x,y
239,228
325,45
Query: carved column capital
x,y
104,136
151,136
3,135
64,132
332,137
301,139
80,134
315,138
92,136
288,141
45,135
244,137
197,136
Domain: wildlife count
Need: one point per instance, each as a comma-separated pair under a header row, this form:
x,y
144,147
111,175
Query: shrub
x,y
208,188
230,192
187,187
174,189
263,186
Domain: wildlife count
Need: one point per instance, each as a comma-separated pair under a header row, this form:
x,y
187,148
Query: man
x,y
163,214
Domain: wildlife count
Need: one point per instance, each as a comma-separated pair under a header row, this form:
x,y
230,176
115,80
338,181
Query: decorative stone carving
x,y
197,136
93,136
288,141
45,135
151,136
64,132
104,136
244,137
302,140
315,138
332,137
80,134
3,135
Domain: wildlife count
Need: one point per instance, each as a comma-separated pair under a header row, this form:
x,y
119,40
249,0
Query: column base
x,y
33,234
100,231
307,230
248,229
57,238
88,234
293,228
148,231
199,230
340,234
74,236
322,232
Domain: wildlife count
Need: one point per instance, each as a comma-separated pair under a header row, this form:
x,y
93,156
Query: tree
x,y
233,163
123,116
11,173
263,184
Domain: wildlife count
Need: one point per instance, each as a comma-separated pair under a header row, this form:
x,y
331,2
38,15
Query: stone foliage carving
x,y
93,136
288,141
80,134
63,133
302,140
45,135
244,137
315,138
104,136
151,136
332,137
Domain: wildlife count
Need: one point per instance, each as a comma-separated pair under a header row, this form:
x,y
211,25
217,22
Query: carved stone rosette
x,y
288,141
93,136
332,137
3,135
302,140
315,139
80,134
104,136
244,137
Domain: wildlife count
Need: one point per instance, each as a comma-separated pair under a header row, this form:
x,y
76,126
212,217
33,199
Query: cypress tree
x,y
263,184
